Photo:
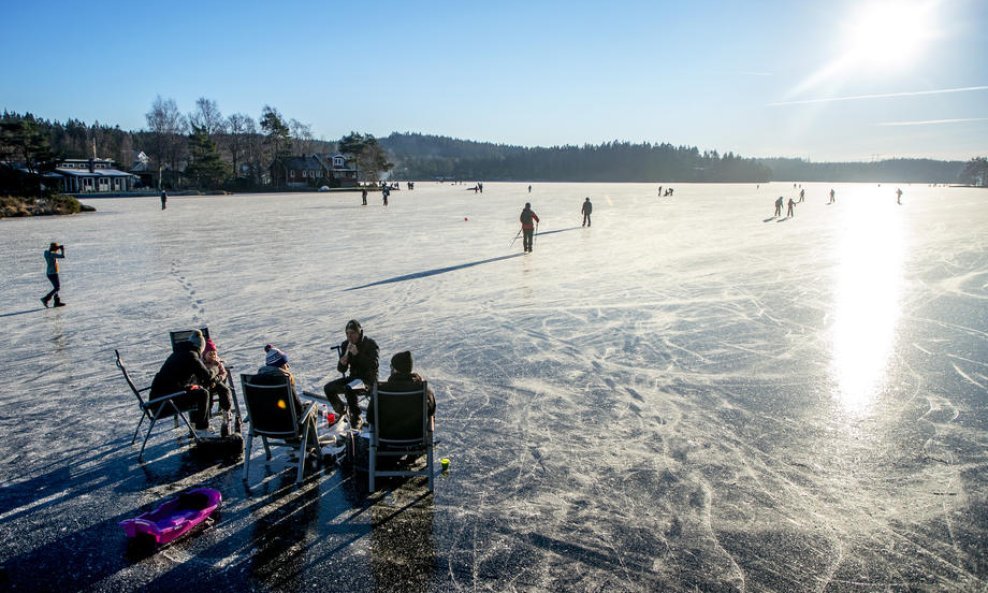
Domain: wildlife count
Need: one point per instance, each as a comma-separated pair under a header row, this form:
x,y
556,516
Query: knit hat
x,y
210,345
275,357
354,325
402,362
197,339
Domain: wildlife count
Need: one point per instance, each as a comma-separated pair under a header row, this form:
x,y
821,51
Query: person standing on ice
x,y
360,356
832,199
802,195
789,209
898,196
527,228
55,252
778,207
587,209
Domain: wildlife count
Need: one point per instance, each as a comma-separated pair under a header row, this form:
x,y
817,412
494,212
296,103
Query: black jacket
x,y
364,365
182,368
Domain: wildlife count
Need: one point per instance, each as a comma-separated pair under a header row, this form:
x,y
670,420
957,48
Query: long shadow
x,y
573,228
24,312
426,273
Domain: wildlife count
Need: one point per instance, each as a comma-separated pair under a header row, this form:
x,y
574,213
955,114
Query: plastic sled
x,y
175,517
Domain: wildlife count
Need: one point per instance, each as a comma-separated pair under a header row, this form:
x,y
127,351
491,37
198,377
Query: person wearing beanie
x,y
403,379
55,252
359,359
220,388
274,368
184,370
527,228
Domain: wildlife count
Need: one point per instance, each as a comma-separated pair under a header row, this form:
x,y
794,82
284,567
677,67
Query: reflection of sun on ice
x,y
889,34
869,277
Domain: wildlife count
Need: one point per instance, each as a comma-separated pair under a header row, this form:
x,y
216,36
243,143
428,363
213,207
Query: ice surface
x,y
686,396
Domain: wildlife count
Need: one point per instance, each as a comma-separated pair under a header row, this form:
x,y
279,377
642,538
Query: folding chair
x,y
163,406
400,427
272,415
184,335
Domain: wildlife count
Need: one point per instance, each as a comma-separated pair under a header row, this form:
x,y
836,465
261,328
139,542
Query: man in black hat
x,y
359,361
402,379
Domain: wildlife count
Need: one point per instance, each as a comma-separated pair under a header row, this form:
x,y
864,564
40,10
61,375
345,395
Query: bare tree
x,y
239,126
168,128
301,135
207,117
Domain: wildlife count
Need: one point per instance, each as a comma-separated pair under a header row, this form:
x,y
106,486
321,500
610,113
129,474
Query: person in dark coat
x,y
587,210
527,228
55,252
403,379
183,370
359,360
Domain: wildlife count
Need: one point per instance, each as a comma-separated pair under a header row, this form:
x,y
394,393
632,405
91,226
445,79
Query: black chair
x,y
184,335
400,427
164,406
272,415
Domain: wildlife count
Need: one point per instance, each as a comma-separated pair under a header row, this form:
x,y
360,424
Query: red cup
x,y
330,418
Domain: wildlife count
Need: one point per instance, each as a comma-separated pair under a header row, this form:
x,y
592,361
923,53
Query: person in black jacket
x,y
527,228
359,359
587,210
183,370
403,379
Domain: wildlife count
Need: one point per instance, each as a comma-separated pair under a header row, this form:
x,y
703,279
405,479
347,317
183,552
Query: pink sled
x,y
175,517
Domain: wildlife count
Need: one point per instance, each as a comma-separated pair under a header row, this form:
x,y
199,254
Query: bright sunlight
x,y
889,34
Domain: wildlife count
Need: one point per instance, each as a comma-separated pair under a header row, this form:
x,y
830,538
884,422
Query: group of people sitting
x,y
194,367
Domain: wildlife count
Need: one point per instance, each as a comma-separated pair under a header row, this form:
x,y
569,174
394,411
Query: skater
x,y
385,192
529,189
403,379
778,207
898,196
660,191
789,209
55,252
164,199
832,198
359,355
363,195
802,195
527,228
587,209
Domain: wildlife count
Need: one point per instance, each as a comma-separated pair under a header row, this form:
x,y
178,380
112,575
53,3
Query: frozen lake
x,y
688,396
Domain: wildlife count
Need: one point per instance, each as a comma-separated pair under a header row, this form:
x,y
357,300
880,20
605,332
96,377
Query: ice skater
x,y
164,199
778,207
527,228
385,192
802,195
832,198
363,195
660,191
789,213
55,252
587,210
898,196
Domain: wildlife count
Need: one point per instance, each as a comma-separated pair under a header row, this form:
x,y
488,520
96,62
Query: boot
x,y
44,301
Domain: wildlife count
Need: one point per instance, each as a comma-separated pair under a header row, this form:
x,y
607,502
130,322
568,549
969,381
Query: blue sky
x,y
760,78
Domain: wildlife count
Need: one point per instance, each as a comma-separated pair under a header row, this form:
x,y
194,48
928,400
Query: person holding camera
x,y
360,357
55,252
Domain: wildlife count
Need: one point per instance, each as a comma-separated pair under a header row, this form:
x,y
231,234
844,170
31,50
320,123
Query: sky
x,y
825,80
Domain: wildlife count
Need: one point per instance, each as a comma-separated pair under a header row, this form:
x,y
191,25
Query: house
x,y
93,175
312,171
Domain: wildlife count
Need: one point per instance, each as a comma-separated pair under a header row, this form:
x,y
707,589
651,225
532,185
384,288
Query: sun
x,y
889,34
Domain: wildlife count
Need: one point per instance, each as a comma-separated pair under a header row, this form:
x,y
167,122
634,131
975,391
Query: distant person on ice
x,y
898,196
55,252
363,194
802,195
789,209
164,199
527,228
360,356
832,198
587,209
778,207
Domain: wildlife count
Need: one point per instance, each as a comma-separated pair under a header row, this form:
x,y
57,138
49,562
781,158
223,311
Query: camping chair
x,y
162,406
184,335
272,415
400,427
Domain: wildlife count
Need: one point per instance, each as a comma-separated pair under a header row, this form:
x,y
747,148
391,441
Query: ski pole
x,y
515,239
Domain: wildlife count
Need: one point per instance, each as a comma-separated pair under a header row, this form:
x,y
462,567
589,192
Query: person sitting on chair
x,y
359,355
403,379
220,388
274,369
183,370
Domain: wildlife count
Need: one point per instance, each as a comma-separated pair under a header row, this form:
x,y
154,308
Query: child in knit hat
x,y
212,361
